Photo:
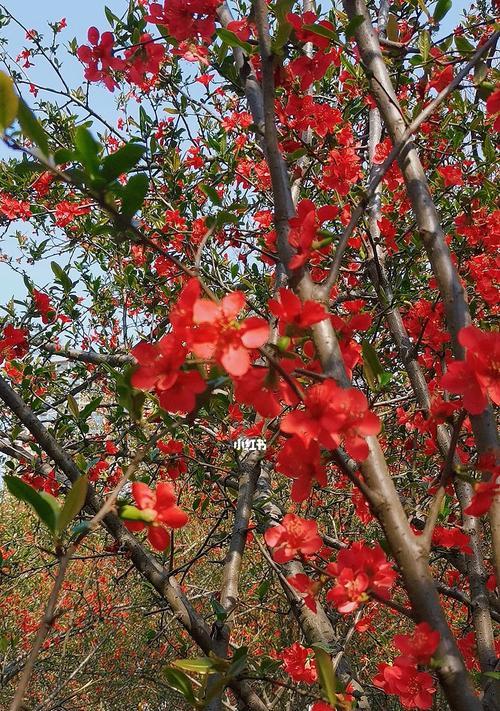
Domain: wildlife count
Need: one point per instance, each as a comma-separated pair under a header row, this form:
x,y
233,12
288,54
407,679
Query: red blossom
x,y
293,536
420,645
493,108
304,229
302,463
294,315
161,510
13,344
413,687
332,414
478,375
309,588
299,663
218,335
159,369
360,569
99,58
451,538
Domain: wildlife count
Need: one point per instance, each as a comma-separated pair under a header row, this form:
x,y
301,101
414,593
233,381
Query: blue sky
x,y
79,16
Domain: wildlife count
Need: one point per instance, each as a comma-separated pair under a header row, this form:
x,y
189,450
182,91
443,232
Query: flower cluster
x,y
210,331
101,61
333,414
403,678
477,376
359,570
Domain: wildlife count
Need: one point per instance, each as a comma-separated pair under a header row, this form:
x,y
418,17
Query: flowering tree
x,y
259,366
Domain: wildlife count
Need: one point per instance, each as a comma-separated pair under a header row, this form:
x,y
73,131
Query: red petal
x,y
159,537
144,497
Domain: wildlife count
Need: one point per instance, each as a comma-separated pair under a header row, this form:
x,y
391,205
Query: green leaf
x,y
9,101
87,149
491,675
392,29
32,128
61,276
63,155
442,8
90,407
73,503
181,683
424,44
372,368
73,406
122,161
23,492
199,665
324,31
239,661
463,45
233,40
132,513
134,193
353,25
263,589
211,193
326,674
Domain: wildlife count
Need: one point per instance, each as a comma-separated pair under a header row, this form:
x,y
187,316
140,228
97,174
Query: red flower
x,y
342,170
451,538
367,570
219,336
451,174
478,375
13,344
43,306
414,688
350,591
161,511
484,493
420,645
99,57
159,364
294,315
304,229
302,463
441,79
262,389
185,19
493,108
332,413
297,662
65,212
308,587
159,369
294,535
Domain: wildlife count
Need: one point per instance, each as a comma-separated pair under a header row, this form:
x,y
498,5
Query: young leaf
x,y
32,128
326,674
133,194
88,149
181,683
122,161
353,25
442,8
199,665
132,513
61,276
24,492
233,40
9,101
73,503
